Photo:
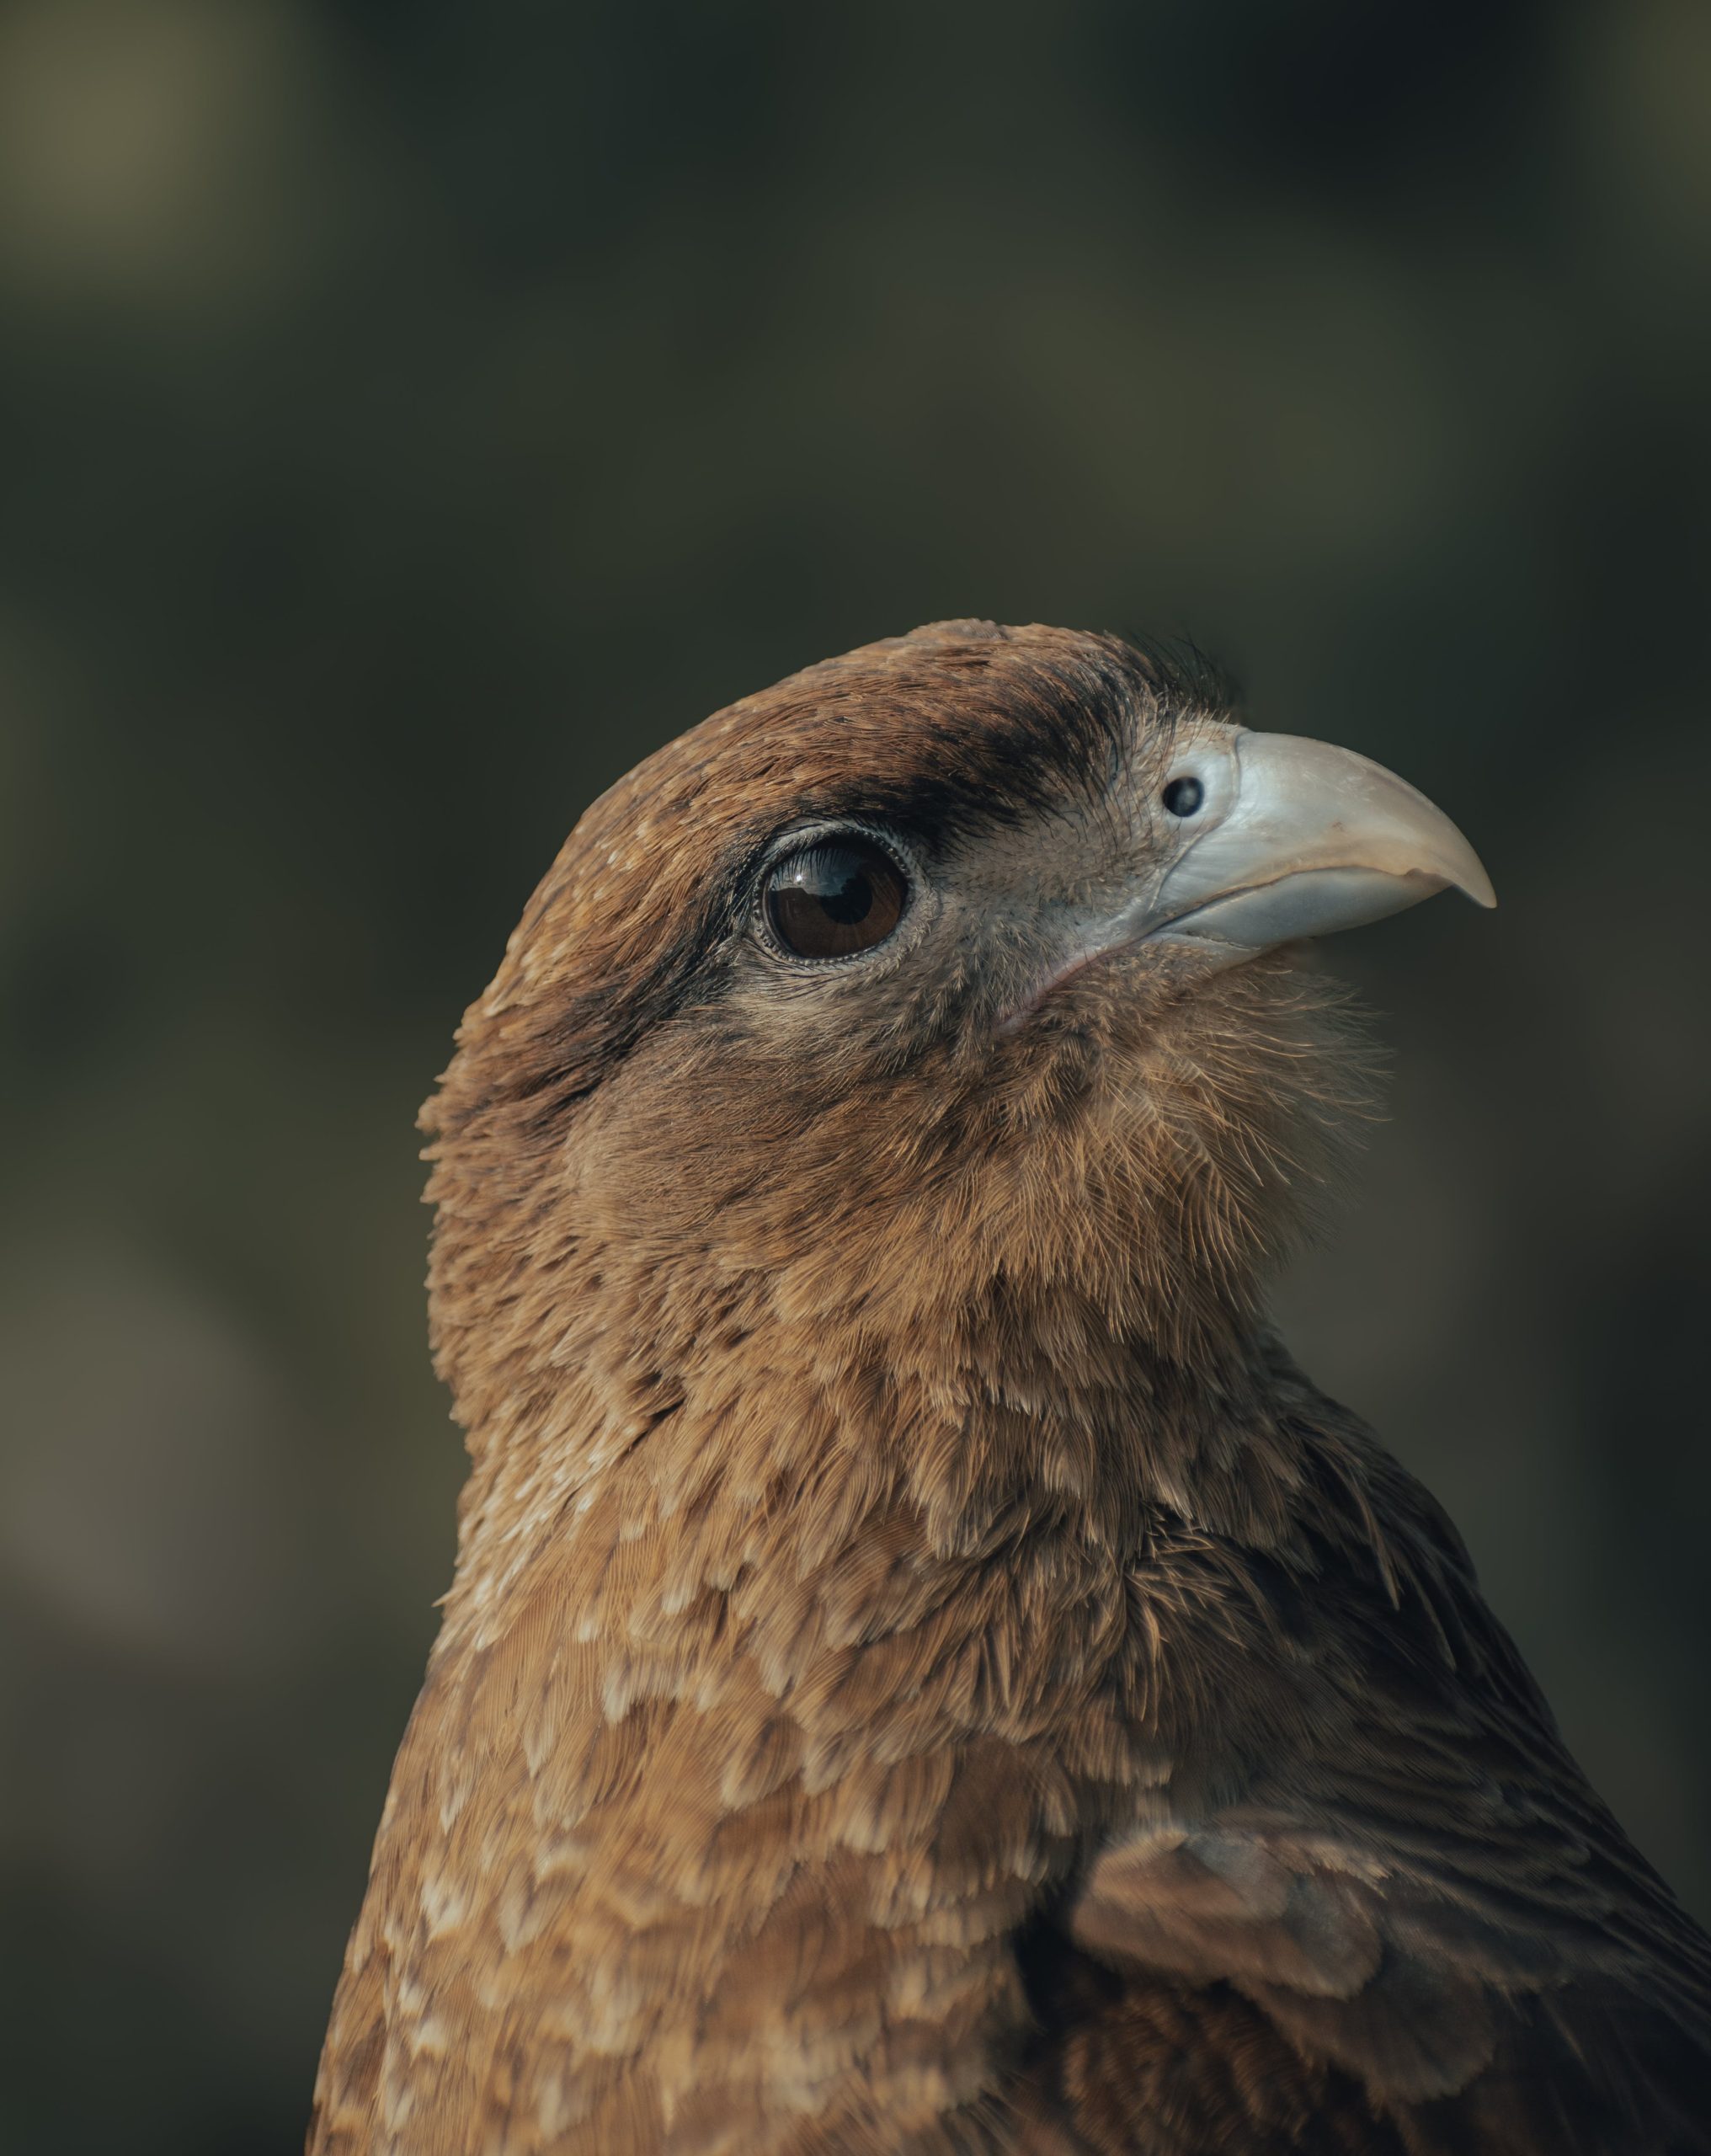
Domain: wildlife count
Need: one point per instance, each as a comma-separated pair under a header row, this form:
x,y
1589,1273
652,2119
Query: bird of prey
x,y
926,1673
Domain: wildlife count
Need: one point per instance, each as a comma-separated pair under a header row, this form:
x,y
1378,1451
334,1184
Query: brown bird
x,y
925,1672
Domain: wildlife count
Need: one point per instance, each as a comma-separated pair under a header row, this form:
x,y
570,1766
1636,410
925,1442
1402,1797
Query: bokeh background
x,y
415,412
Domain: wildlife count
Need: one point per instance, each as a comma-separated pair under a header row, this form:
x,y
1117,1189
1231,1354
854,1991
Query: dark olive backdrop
x,y
417,412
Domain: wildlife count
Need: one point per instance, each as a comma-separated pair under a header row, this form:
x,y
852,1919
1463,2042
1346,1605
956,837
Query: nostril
x,y
1183,796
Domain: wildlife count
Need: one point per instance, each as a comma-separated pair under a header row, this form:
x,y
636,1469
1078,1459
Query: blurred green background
x,y
416,412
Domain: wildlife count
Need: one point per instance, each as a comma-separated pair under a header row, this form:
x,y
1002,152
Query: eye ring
x,y
1183,797
832,895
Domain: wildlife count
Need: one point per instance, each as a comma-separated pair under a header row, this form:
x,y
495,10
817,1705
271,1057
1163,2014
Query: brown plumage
x,y
924,1671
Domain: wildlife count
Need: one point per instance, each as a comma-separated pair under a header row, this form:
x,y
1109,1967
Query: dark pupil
x,y
1183,796
834,897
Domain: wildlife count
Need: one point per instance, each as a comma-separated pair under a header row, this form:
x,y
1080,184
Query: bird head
x,y
960,971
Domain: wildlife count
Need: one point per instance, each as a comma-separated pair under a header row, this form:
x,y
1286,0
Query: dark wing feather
x,y
1417,1888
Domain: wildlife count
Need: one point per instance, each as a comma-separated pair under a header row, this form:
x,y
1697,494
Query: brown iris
x,y
836,896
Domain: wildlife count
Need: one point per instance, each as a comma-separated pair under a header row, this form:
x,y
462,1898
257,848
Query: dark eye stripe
x,y
836,896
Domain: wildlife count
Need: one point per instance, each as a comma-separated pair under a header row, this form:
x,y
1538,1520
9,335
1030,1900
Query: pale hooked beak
x,y
1285,837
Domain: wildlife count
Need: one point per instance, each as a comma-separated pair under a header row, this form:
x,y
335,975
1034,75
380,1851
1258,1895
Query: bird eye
x,y
1183,796
834,897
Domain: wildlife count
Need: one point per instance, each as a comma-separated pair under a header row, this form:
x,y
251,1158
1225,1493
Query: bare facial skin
x,y
925,1672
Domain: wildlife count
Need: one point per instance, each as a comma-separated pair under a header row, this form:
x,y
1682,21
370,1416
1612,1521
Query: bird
x,y
925,1671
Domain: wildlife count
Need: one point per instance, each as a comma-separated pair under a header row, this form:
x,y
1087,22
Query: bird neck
x,y
668,1389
